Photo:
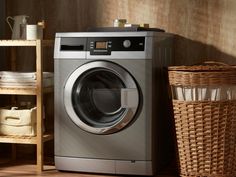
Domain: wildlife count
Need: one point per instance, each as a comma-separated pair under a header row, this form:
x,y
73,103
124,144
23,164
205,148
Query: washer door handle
x,y
129,98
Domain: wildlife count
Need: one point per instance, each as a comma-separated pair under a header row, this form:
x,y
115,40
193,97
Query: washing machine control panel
x,y
102,45
105,45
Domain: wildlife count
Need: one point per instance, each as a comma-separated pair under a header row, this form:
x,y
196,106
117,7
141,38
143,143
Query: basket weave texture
x,y
206,136
205,130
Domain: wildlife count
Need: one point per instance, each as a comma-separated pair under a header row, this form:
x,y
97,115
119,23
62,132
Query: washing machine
x,y
109,101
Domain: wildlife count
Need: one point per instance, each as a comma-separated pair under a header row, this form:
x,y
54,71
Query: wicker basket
x,y
205,130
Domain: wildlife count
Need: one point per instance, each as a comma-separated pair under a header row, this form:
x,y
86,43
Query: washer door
x,y
101,97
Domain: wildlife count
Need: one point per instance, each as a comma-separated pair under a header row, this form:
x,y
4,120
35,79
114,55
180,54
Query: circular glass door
x,y
101,97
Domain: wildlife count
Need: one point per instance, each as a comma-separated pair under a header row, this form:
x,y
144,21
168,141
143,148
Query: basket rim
x,y
203,101
202,68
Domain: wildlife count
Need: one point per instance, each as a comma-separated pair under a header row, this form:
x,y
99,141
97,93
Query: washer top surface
x,y
109,34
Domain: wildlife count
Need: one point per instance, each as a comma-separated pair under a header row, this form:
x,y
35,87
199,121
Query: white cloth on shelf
x,y
12,74
24,79
22,75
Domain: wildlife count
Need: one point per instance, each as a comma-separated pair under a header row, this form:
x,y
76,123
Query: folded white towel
x,y
22,75
12,74
17,84
14,80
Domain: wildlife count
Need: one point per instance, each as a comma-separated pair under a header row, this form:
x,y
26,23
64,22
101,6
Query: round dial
x,y
127,43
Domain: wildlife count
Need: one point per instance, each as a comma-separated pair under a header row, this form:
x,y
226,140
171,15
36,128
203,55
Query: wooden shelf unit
x,y
38,91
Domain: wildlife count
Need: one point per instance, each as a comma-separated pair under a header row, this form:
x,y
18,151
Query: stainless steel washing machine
x,y
108,86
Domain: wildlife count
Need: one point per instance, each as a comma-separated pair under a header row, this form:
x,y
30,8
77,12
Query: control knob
x,y
127,43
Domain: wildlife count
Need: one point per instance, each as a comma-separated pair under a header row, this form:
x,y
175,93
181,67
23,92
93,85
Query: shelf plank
x,y
23,90
23,139
49,43
17,91
18,139
17,42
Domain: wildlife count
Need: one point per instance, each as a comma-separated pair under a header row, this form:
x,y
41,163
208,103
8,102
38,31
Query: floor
x,y
28,170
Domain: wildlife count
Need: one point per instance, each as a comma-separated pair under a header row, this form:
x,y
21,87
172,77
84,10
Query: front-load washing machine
x,y
108,101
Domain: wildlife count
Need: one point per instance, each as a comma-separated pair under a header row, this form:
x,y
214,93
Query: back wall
x,y
205,29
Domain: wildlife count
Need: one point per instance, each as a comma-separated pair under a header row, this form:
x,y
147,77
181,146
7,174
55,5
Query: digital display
x,y
100,45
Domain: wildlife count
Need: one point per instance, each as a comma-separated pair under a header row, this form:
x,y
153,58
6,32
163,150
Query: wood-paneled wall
x,y
205,29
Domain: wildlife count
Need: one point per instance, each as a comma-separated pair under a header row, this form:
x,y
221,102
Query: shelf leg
x,y
39,157
39,104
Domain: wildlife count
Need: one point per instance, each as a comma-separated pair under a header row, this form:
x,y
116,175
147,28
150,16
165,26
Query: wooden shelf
x,y
24,139
17,91
17,42
25,42
38,91
23,90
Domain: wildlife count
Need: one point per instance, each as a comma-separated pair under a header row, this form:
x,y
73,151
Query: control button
x,y
126,43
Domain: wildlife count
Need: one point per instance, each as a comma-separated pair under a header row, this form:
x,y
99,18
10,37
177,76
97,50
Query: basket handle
x,y
11,117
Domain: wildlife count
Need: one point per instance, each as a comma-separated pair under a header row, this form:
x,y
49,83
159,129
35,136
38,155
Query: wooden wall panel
x,y
204,29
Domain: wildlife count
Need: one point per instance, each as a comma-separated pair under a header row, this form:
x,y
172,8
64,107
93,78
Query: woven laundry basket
x,y
204,103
